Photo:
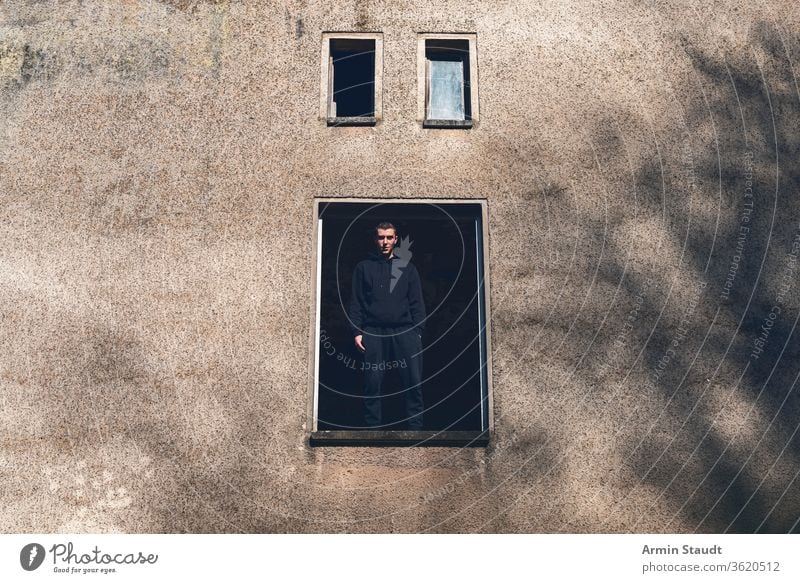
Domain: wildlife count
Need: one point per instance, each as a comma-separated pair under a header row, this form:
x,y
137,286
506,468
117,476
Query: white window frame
x,y
479,438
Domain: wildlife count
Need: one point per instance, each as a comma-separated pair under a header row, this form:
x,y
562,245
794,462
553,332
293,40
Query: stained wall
x,y
159,163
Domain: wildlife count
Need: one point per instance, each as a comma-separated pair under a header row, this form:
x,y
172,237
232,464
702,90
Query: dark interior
x,y
445,254
353,77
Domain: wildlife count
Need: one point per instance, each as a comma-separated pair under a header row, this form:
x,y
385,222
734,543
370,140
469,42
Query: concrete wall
x,y
158,165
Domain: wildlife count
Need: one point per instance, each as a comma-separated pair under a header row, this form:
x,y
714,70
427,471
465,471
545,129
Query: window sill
x,y
458,124
352,121
400,438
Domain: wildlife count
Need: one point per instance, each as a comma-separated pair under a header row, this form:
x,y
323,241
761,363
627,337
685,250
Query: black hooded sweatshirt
x,y
372,302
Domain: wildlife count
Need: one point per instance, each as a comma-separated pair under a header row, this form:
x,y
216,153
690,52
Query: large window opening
x,y
444,241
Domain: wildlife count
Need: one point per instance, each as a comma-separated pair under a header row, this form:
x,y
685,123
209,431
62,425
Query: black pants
x,y
390,348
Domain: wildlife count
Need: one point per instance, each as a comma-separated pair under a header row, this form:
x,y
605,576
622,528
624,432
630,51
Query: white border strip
x,y
317,284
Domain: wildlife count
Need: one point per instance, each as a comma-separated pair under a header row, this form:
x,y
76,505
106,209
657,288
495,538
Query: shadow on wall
x,y
713,434
678,312
718,341
192,424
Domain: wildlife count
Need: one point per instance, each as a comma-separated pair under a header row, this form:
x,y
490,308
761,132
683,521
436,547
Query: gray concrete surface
x,y
158,166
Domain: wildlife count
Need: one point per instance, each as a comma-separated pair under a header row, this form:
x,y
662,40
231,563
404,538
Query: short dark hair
x,y
384,225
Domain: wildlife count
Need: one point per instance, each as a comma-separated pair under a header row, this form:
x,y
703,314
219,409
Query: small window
x,y
447,80
351,85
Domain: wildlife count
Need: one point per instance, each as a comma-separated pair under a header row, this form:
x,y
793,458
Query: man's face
x,y
386,239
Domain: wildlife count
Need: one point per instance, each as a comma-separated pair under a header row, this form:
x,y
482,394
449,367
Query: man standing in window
x,y
387,315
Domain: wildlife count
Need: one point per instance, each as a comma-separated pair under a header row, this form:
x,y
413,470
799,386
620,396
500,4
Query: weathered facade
x,y
159,163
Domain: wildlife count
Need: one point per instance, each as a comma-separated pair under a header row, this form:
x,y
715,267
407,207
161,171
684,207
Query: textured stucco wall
x,y
158,165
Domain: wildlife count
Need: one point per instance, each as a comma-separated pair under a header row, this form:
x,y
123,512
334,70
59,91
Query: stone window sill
x,y
400,438
352,121
459,124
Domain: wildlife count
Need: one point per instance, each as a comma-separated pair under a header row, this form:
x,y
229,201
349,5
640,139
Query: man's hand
x,y
359,343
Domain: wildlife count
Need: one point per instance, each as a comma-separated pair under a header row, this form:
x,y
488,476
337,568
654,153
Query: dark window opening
x,y
446,241
351,83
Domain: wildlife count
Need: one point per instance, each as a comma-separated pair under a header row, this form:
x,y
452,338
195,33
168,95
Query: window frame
x,y
326,80
431,438
422,80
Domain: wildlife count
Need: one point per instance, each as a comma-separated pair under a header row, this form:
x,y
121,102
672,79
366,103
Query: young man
x,y
387,315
